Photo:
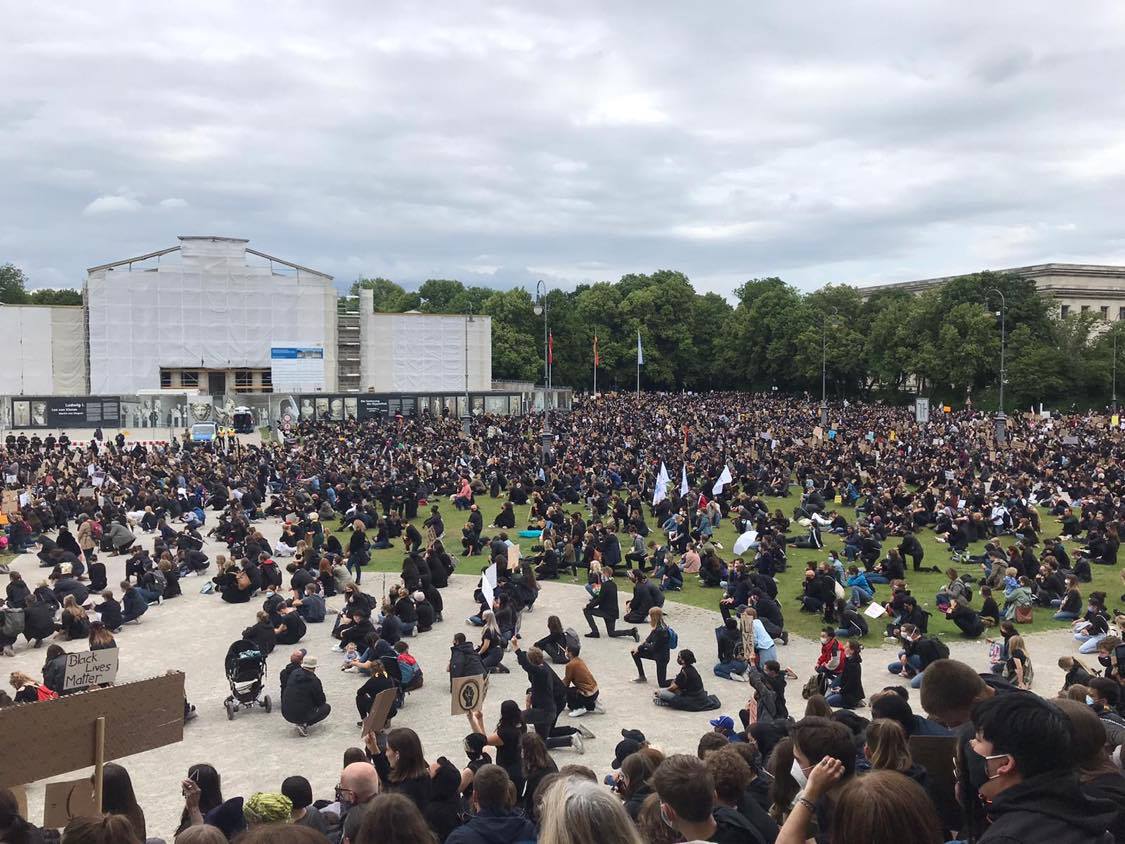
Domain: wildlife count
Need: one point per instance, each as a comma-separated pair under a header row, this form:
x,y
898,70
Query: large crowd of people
x,y
1028,768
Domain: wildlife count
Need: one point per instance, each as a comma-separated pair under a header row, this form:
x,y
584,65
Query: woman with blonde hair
x,y
657,647
887,748
74,623
577,811
1017,668
757,644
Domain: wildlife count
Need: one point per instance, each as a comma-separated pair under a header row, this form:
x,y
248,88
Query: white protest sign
x,y
90,668
488,583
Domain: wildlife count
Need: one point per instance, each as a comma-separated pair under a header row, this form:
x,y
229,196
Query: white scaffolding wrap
x,y
44,350
210,311
425,352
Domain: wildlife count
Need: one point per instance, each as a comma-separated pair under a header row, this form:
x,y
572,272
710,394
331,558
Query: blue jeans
x,y
877,578
1065,616
913,669
725,669
843,632
766,654
1089,643
836,700
860,596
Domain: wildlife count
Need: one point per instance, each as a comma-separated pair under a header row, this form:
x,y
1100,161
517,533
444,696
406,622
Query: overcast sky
x,y
502,142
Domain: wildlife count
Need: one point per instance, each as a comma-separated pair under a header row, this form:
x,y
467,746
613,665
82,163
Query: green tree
x,y
437,295
13,285
390,298
52,296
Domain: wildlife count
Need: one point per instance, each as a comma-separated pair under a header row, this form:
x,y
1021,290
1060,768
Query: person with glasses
x,y
359,784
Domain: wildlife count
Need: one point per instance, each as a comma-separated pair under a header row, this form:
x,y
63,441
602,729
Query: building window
x,y
267,380
1085,309
243,381
165,379
1105,312
189,378
1121,313
1065,311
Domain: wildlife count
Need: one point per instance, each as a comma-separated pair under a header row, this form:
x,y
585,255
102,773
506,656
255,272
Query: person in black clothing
x,y
543,712
646,595
687,689
912,548
302,697
366,694
966,619
1029,777
290,627
687,801
402,767
262,633
605,606
848,693
655,647
110,611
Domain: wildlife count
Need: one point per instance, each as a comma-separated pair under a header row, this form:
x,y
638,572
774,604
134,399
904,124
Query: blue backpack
x,y
673,639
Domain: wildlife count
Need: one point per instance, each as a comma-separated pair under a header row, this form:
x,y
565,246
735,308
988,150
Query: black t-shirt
x,y
508,754
688,681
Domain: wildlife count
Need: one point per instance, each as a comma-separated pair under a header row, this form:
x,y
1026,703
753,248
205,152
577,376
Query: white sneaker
x,y
586,734
302,731
338,649
578,713
598,708
740,678
577,745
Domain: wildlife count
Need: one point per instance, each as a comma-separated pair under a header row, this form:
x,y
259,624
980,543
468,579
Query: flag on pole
x,y
551,348
596,360
683,480
661,490
724,479
640,350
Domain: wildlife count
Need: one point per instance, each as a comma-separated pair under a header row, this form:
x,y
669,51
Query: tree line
x,y
943,343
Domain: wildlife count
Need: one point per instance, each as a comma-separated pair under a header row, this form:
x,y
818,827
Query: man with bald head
x,y
359,784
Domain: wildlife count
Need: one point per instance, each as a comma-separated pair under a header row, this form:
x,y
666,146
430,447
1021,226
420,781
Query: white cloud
x,y
588,140
111,204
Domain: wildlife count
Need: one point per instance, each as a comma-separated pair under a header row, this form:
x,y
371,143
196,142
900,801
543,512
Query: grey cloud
x,y
579,143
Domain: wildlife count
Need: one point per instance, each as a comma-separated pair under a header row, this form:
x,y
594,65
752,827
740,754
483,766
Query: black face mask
x,y
976,772
1104,660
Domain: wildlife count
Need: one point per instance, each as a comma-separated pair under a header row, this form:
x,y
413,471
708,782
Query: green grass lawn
x,y
924,586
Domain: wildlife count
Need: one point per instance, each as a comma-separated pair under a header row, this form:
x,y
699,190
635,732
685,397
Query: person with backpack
x,y
917,654
657,646
27,690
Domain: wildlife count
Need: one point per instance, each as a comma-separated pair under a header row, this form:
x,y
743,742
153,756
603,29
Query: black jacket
x,y
542,693
301,696
1048,809
464,661
606,601
494,827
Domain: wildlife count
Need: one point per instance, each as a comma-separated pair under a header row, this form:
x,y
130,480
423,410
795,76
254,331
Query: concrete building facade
x,y
1076,288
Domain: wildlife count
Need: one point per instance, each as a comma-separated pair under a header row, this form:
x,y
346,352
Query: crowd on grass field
x,y
1028,768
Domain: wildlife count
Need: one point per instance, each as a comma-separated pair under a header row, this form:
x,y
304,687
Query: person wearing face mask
x,y
1029,783
815,739
1104,697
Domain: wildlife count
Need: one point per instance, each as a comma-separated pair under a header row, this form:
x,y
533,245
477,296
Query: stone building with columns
x,y
1075,288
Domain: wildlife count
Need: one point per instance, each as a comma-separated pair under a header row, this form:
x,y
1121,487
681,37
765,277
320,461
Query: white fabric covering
x,y
44,350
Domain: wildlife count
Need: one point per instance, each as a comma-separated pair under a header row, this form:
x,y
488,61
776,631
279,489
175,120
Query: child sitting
x,y
351,657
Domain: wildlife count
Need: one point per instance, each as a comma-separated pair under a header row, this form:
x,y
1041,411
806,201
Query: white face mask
x,y
798,773
1089,701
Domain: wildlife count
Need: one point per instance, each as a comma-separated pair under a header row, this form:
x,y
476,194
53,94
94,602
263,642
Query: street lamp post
x,y
467,415
824,367
1000,419
541,308
1113,399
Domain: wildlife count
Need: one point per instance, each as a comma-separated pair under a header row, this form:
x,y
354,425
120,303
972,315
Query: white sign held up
x,y
90,668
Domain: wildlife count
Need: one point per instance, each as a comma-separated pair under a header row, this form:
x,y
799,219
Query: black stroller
x,y
246,671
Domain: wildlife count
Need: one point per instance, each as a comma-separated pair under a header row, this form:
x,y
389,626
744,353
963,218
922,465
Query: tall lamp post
x,y
467,414
1113,399
1000,419
541,309
824,366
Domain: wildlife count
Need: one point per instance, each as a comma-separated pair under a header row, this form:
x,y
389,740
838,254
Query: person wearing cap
x,y
302,697
724,726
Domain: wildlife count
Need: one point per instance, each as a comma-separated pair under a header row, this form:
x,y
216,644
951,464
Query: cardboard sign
x,y
818,432
513,558
11,501
488,584
90,668
66,800
468,694
874,610
376,719
139,716
86,492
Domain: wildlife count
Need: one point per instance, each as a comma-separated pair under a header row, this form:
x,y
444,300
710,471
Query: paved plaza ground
x,y
256,751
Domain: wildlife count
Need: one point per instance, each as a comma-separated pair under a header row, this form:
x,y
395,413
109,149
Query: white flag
x,y
724,479
661,490
683,481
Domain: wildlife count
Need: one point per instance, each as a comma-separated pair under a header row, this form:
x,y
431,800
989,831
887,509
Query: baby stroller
x,y
246,670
